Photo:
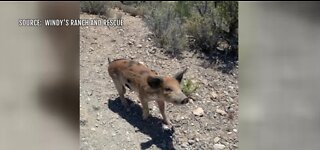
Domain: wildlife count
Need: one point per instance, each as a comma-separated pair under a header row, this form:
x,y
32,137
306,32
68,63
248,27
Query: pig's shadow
x,y
151,127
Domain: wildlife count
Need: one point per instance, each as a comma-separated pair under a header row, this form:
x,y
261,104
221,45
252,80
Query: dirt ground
x,y
105,125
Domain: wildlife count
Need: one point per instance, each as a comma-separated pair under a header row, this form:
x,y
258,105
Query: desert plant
x,y
164,22
189,86
212,21
132,10
95,7
204,22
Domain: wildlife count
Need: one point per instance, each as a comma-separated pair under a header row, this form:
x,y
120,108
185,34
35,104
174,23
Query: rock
x,y
218,146
184,145
185,132
153,50
230,99
93,129
191,142
90,93
104,132
198,112
216,139
96,107
235,145
131,42
91,49
148,138
165,127
221,112
113,134
149,39
197,140
139,46
214,95
132,56
225,92
235,130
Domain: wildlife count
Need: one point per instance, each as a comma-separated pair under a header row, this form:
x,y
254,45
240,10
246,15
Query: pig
x,y
148,84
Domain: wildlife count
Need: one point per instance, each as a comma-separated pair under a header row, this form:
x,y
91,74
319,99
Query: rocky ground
x,y
210,121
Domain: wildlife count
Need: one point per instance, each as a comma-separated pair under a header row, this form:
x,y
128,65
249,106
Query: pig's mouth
x,y
184,101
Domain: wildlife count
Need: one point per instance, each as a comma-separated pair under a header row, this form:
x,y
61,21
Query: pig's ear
x,y
180,74
154,82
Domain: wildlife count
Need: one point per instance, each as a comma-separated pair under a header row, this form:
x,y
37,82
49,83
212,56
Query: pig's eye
x,y
168,89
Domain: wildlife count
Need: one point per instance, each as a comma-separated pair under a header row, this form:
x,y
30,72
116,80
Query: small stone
x,y
221,112
235,145
149,39
132,56
225,92
197,95
229,133
184,145
96,125
218,146
214,95
113,134
130,43
191,142
141,62
90,93
184,131
197,140
96,107
148,138
91,49
104,132
93,129
198,112
139,46
235,130
230,99
216,139
153,50
165,127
